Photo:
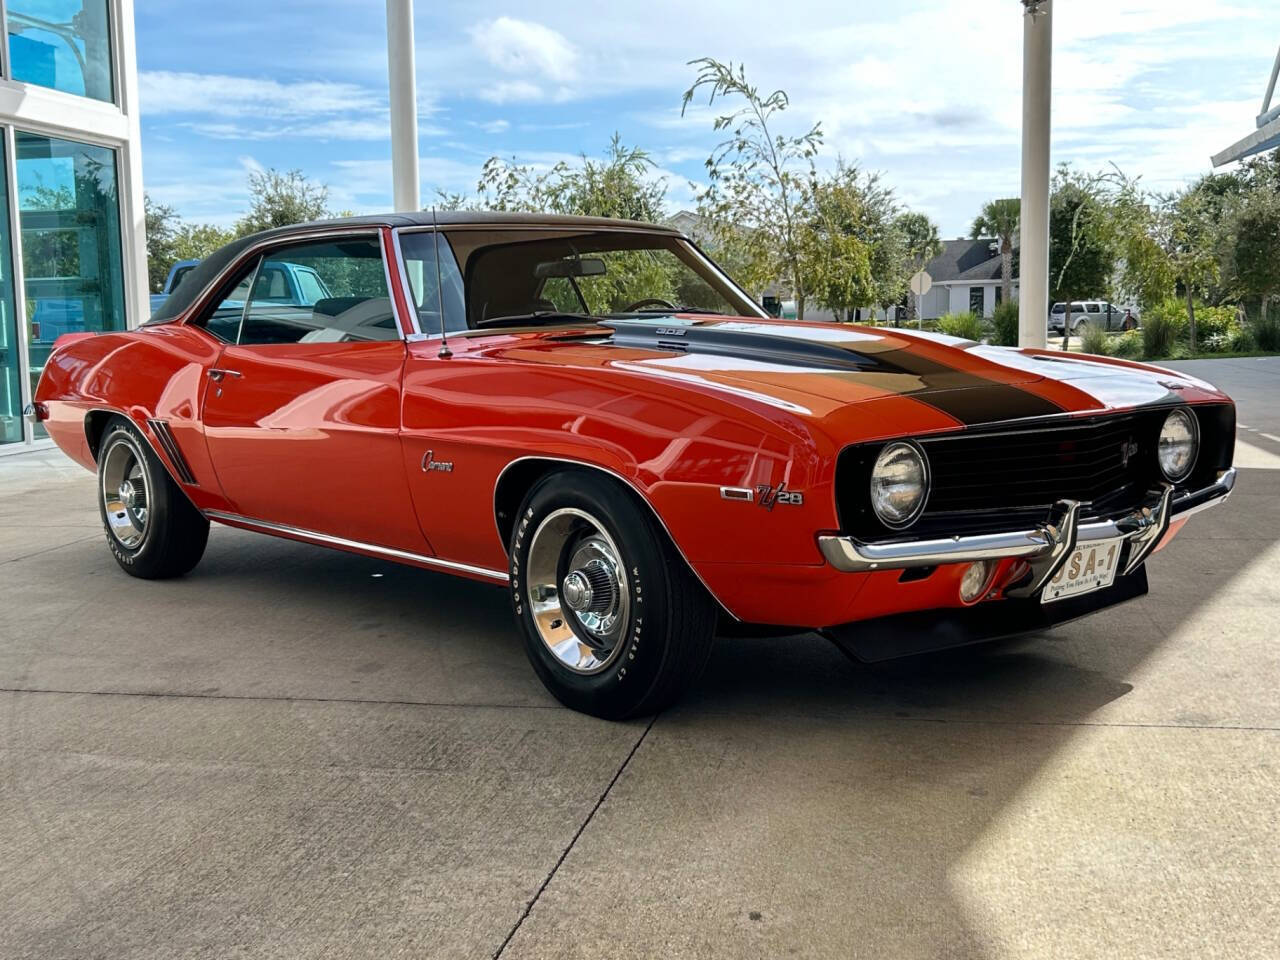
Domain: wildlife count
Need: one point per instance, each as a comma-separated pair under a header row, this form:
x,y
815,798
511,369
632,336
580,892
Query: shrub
x,y
965,325
1128,345
1005,321
1163,325
1095,340
1214,322
1215,343
1242,341
1266,333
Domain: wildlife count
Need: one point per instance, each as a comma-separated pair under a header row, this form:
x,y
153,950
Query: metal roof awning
x,y
1266,136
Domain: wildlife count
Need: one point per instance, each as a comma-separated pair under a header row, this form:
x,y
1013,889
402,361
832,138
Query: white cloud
x,y
928,91
168,92
543,62
334,129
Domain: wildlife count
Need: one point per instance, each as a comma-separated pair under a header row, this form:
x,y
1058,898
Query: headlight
x,y
1179,441
899,484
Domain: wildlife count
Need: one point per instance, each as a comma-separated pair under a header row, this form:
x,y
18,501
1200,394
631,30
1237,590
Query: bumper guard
x,y
1045,548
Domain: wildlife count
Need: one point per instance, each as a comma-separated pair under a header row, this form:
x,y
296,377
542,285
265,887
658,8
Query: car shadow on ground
x,y
887,775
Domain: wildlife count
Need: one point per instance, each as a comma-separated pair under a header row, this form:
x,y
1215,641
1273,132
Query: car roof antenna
x,y
445,353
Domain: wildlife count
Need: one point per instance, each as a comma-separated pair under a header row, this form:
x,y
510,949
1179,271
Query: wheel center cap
x,y
127,494
577,591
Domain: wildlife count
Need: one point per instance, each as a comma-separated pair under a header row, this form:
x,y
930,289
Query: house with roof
x,y
966,278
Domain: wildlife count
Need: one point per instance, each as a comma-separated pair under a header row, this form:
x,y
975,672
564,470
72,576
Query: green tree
x,y
1255,245
195,241
1082,254
282,199
162,226
921,243
620,186
759,179
836,242
999,219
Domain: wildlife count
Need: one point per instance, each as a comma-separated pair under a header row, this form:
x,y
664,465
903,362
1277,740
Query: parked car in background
x,y
176,273
1100,314
615,432
284,284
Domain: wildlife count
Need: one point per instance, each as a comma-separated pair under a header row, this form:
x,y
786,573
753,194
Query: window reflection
x,y
10,386
63,44
70,217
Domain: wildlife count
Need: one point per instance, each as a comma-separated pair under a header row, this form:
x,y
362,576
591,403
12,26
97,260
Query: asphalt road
x,y
302,753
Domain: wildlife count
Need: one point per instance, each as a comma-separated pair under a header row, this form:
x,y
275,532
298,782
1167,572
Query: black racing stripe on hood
x,y
968,397
989,403
750,345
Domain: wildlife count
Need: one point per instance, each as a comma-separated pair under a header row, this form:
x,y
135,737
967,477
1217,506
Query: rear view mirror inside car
x,y
590,267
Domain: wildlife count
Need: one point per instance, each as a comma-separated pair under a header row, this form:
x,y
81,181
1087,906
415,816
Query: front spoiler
x,y
924,631
1045,547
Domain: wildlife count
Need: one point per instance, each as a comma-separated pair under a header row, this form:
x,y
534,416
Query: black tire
x,y
167,536
666,630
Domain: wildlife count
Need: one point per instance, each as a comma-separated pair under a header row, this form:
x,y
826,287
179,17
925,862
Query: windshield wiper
x,y
671,310
536,316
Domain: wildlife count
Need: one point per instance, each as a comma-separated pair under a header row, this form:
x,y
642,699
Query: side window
x,y
418,250
330,291
224,321
1077,309
1095,308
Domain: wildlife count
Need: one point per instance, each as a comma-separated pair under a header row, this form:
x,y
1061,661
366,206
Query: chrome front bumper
x,y
1045,547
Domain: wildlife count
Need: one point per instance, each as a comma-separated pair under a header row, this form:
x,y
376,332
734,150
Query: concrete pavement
x,y
302,753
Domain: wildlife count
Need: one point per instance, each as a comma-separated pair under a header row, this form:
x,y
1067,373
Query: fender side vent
x,y
165,437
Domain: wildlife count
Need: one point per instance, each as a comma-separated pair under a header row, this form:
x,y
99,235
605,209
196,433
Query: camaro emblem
x,y
430,463
769,495
1127,450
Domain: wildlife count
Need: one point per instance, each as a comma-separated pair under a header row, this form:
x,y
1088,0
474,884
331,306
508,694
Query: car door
x,y
302,409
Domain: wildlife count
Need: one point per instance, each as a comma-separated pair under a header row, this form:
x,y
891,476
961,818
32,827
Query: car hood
x,y
814,368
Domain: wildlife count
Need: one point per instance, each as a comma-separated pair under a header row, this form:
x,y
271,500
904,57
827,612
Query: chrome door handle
x,y
217,374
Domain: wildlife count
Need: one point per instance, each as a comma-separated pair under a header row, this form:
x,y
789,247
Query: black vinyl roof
x,y
199,277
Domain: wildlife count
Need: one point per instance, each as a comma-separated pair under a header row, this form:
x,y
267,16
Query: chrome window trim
x,y
419,335
199,304
386,276
627,482
414,320
248,300
329,540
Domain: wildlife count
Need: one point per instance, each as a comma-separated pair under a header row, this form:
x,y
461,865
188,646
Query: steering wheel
x,y
649,301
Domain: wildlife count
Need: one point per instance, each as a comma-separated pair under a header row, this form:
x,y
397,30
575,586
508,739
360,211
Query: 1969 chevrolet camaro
x,y
593,414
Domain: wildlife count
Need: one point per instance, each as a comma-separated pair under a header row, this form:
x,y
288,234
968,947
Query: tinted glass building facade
x,y
72,247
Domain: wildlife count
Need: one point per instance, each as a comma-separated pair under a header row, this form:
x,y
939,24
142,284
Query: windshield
x,y
600,274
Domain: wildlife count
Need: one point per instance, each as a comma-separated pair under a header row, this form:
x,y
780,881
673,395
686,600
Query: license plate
x,y
1090,567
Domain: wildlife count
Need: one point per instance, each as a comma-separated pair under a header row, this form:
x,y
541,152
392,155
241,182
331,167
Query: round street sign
x,y
920,283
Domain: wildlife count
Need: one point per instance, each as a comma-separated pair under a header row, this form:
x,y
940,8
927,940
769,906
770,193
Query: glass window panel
x,y
69,212
327,292
63,44
10,370
418,250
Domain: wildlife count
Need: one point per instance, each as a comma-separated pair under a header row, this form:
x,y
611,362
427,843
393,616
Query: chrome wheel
x,y
124,492
578,591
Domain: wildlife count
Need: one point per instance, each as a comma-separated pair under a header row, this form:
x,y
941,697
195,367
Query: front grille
x,y
1082,461
984,480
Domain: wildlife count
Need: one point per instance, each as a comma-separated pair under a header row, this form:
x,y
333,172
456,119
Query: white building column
x,y
404,105
1037,71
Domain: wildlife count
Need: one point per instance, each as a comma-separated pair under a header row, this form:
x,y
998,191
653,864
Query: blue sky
x,y
928,93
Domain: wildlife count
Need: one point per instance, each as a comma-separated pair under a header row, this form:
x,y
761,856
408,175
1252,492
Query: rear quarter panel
x,y
155,372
